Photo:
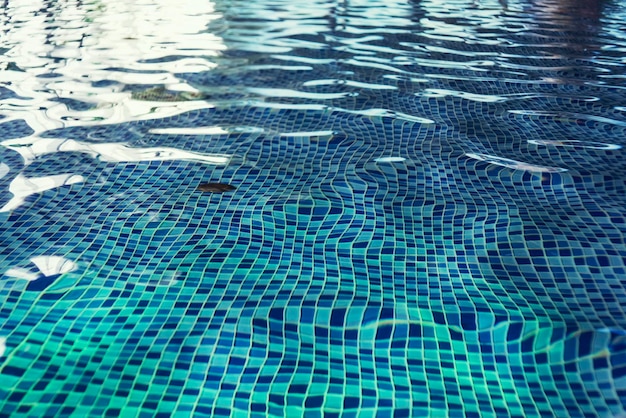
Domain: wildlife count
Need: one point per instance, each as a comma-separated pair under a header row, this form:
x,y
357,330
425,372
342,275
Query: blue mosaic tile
x,y
428,216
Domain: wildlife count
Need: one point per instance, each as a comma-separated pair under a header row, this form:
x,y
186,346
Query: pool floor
x,y
425,211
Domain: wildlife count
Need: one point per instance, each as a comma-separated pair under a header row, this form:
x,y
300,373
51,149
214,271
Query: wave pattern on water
x,y
428,220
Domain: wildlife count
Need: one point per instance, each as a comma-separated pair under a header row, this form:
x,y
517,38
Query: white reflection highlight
x,y
22,187
390,159
95,51
4,170
121,152
351,83
486,98
21,273
3,345
514,164
201,130
308,134
273,92
32,147
573,143
50,265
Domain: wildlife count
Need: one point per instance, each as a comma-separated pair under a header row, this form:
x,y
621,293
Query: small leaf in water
x,y
215,187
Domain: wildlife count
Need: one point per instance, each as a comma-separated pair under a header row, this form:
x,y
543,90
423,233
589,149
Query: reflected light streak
x,y
31,148
22,187
51,265
47,265
96,52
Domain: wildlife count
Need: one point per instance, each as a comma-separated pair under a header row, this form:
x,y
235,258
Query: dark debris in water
x,y
161,94
215,187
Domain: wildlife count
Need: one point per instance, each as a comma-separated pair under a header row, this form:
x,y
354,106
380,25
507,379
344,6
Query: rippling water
x,y
428,215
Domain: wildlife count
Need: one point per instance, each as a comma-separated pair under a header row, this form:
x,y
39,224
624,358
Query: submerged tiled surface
x,y
328,283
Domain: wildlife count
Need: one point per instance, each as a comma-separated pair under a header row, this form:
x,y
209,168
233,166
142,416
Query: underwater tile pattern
x,y
395,244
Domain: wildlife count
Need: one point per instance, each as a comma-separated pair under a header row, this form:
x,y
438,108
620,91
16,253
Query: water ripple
x,y
574,143
569,117
514,164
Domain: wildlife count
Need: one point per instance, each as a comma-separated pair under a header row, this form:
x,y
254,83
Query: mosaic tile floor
x,y
428,216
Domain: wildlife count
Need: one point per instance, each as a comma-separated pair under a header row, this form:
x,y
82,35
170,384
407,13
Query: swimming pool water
x,y
428,216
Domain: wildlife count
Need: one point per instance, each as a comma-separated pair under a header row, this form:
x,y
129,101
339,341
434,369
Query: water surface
x,y
427,216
